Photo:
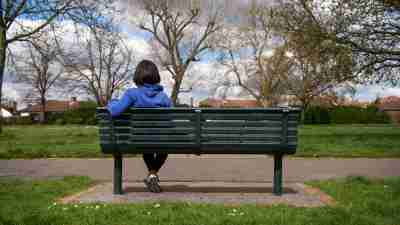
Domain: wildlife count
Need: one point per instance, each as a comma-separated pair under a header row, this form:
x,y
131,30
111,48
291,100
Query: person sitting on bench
x,y
148,94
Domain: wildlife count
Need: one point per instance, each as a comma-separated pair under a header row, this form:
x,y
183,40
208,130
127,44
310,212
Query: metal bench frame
x,y
287,118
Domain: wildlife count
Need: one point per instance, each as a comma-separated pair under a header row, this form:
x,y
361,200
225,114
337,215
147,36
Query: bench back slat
x,y
252,131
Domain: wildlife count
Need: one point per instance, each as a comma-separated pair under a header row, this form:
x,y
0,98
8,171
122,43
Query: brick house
x,y
228,103
391,105
284,100
52,106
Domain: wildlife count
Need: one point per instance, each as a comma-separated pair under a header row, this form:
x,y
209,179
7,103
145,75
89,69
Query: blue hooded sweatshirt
x,y
146,96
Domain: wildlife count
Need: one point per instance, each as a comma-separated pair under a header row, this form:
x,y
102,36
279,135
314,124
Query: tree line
x,y
301,48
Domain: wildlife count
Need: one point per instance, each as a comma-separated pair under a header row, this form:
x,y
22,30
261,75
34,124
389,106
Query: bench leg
x,y
278,174
118,174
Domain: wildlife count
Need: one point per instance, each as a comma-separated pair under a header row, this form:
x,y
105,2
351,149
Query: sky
x,y
204,76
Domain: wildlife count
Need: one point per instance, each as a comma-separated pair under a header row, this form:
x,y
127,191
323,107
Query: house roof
x,y
54,106
242,103
390,101
230,103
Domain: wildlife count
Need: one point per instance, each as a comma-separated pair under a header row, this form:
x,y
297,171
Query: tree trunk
x,y
175,90
3,50
264,103
43,116
304,104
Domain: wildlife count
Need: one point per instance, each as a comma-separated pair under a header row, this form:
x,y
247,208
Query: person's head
x,y
146,72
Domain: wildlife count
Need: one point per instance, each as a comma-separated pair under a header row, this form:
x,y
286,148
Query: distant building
x,y
55,106
391,105
4,113
283,101
9,106
51,106
228,103
8,109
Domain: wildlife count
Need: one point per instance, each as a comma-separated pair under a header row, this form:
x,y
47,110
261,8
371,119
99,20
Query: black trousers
x,y
154,161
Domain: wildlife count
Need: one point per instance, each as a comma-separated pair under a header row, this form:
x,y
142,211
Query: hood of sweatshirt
x,y
152,90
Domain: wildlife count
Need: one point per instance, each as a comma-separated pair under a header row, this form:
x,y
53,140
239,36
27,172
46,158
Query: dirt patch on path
x,y
295,194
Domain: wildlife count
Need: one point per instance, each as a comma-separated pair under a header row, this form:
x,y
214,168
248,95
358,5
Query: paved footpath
x,y
229,168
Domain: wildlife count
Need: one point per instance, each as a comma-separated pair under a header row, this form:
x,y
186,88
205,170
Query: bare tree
x,y
181,35
100,64
370,29
250,56
15,16
39,68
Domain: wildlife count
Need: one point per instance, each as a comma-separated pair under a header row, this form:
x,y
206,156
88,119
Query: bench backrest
x,y
192,130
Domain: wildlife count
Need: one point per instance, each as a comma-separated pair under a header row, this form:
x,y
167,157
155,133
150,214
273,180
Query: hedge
x,y
344,115
85,114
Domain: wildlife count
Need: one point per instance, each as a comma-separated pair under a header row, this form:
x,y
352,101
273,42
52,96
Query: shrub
x,y
59,121
204,104
27,120
55,118
85,114
316,115
344,115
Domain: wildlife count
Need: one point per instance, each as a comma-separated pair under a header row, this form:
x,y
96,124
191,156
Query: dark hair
x,y
146,72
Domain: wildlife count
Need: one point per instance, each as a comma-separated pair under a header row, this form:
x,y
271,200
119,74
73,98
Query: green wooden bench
x,y
199,131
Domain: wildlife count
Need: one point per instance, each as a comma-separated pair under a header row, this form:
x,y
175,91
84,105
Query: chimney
x,y
73,103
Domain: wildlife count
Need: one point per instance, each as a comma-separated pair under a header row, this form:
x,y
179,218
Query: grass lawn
x,y
49,141
315,140
360,201
349,140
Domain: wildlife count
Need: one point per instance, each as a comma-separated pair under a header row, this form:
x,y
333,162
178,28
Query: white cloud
x,y
371,92
10,92
139,46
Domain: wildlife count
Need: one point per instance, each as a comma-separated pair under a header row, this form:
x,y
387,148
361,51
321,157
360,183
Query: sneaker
x,y
152,183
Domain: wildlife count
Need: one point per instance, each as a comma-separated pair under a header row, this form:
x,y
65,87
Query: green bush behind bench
x,y
345,115
314,115
85,115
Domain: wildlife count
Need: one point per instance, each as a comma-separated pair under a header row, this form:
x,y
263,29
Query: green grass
x,y
314,141
360,201
349,140
49,141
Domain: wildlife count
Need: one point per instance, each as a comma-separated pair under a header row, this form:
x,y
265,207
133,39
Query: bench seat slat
x,y
238,123
162,138
167,124
108,129
241,130
173,130
241,139
244,135
211,148
162,117
138,146
241,116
